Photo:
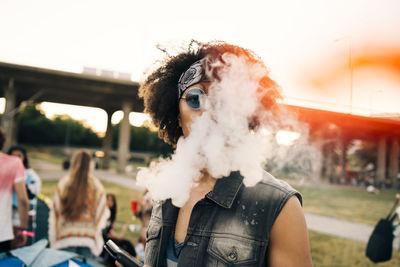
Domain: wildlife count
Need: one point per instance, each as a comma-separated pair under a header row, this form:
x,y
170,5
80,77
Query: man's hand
x,y
23,203
19,239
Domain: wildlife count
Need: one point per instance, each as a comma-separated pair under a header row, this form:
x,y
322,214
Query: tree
x,y
35,128
143,139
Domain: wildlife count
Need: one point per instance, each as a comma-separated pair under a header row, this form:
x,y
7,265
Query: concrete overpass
x,y
330,130
21,83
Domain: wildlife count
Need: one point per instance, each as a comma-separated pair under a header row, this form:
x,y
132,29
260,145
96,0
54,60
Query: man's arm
x,y
23,203
289,244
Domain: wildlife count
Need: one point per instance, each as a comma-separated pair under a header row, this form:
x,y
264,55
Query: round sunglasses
x,y
192,98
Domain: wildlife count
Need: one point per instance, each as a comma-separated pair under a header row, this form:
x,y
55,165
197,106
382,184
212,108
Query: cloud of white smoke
x,y
220,140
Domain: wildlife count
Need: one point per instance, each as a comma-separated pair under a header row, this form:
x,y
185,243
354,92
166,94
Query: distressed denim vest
x,y
229,227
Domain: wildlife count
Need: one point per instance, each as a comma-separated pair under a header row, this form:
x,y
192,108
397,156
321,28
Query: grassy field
x,y
351,204
53,155
344,203
347,203
56,156
329,251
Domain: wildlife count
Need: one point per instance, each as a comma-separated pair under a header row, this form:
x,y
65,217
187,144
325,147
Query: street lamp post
x,y
350,68
351,75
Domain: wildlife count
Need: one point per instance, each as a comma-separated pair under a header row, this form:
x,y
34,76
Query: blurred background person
x,y
79,211
109,232
33,185
12,177
141,207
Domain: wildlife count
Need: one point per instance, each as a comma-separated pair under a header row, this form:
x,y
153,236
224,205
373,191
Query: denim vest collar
x,y
223,194
226,190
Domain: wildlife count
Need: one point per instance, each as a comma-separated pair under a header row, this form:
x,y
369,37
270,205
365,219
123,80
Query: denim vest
x,y
229,227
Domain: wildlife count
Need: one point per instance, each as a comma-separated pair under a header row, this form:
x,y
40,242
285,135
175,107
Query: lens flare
x,y
286,138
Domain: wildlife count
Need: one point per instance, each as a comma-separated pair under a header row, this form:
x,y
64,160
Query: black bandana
x,y
193,75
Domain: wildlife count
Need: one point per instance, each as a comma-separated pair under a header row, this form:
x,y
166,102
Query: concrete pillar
x,y
329,165
394,162
343,159
8,122
381,161
107,141
318,162
124,137
14,131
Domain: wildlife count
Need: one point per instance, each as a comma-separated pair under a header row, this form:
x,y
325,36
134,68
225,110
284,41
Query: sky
x,y
312,48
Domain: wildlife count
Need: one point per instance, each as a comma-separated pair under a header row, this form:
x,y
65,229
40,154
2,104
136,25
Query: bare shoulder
x,y
289,244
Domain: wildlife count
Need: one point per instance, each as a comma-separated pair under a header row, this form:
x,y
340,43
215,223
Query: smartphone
x,y
123,257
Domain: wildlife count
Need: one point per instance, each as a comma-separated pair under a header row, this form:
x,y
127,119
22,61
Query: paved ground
x,y
354,231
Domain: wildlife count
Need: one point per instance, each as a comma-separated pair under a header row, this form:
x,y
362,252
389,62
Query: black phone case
x,y
123,257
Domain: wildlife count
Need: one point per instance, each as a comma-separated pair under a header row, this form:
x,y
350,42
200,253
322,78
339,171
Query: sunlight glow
x,y
286,138
311,49
135,118
95,118
2,104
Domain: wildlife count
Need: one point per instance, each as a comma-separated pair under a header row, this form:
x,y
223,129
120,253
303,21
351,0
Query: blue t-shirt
x,y
173,250
33,184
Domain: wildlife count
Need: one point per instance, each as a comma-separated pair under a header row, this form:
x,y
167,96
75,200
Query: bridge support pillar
x,y
344,143
107,142
124,137
8,122
394,163
318,163
329,164
381,161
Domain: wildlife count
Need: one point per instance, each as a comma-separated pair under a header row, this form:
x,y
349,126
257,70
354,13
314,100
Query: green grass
x,y
347,203
123,195
47,154
351,204
332,251
56,155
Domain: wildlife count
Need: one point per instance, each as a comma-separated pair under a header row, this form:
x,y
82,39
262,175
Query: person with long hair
x,y
208,100
79,211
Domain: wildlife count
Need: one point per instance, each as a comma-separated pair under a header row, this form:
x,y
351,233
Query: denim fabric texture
x,y
229,227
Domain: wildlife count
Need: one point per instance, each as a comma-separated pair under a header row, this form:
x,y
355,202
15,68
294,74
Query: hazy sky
x,y
300,42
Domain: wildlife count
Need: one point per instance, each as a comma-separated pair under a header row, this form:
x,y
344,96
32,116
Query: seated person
x,y
143,213
109,233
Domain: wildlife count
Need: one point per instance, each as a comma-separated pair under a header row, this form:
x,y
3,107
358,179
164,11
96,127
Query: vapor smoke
x,y
220,140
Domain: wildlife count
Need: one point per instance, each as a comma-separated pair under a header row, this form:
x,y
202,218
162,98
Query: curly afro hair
x,y
160,94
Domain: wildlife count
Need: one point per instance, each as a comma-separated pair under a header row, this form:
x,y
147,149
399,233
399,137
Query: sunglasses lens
x,y
193,98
